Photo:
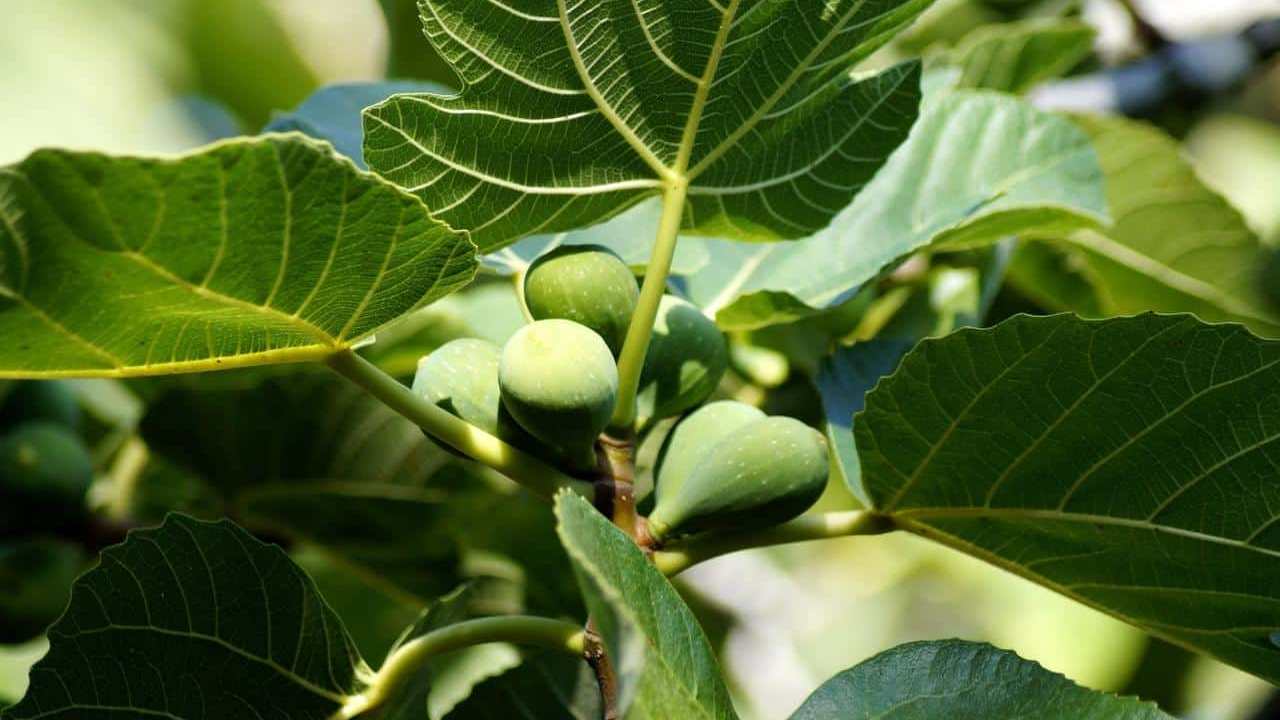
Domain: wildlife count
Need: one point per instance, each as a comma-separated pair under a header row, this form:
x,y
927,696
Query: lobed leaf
x,y
1130,464
573,111
978,167
664,664
194,619
962,681
245,253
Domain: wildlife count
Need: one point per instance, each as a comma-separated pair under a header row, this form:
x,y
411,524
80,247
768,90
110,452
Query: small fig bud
x,y
559,381
687,357
588,284
763,473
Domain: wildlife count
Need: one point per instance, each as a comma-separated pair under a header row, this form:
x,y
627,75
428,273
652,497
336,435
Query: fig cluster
x,y
552,388
45,474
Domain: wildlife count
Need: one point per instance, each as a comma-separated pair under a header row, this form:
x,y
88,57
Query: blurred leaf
x,y
664,665
978,167
1014,57
375,615
410,55
962,681
222,258
35,583
1176,245
1128,464
194,619
242,57
573,114
546,686
1239,156
332,113
630,235
1055,277
448,610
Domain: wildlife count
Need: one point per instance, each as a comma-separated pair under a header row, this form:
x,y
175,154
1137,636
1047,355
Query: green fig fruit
x,y
45,473
35,585
687,357
461,376
588,284
33,400
762,473
687,444
559,381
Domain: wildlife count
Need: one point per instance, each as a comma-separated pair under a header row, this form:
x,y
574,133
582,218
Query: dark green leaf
x,y
194,620
448,610
245,253
960,680
665,665
978,167
546,686
1127,463
333,113
573,112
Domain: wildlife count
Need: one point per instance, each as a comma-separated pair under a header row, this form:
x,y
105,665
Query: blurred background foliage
x,y
385,520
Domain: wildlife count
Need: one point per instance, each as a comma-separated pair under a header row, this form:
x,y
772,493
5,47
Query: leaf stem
x,y
401,668
634,348
823,526
457,433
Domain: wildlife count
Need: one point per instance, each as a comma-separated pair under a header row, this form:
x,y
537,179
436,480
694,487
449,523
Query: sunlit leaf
x,y
1014,57
574,111
245,253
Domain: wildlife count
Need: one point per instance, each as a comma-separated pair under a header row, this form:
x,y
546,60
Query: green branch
x,y
636,345
401,669
825,526
457,433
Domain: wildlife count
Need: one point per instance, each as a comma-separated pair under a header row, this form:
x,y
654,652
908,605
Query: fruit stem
x,y
400,670
822,526
634,348
457,433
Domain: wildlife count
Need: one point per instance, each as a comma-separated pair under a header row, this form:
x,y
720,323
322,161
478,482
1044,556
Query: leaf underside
x,y
248,252
1129,463
962,681
664,663
977,168
575,110
194,620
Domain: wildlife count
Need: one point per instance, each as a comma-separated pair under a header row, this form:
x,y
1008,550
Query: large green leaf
x,y
977,167
1014,57
1131,464
664,664
247,252
194,620
962,681
1176,245
574,111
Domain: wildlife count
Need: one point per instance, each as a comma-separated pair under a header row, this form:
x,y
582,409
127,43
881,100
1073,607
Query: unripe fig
x,y
461,376
35,585
45,472
764,473
559,381
36,400
690,440
687,357
588,284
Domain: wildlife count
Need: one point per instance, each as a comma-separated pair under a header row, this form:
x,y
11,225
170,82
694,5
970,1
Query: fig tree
x,y
461,376
35,584
762,473
588,284
687,357
45,472
559,381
